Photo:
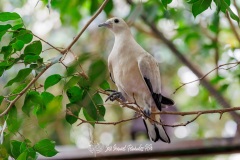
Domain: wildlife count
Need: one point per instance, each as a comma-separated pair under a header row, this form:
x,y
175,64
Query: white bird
x,y
137,77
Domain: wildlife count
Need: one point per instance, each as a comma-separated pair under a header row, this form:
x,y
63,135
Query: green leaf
x,y
200,6
22,74
3,29
75,109
52,80
13,122
48,114
105,85
3,152
233,15
34,48
74,94
23,156
6,16
15,148
46,148
1,99
93,108
224,5
31,58
47,97
17,90
25,36
166,2
6,51
97,72
72,82
18,45
32,155
32,98
18,26
108,8
55,104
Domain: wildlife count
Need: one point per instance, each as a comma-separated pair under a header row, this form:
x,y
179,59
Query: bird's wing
x,y
149,70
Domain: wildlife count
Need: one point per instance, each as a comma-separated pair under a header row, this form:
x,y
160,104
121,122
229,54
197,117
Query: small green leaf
x,y
105,85
46,148
50,111
31,58
18,26
25,36
3,152
34,48
32,98
17,90
75,109
74,94
108,8
200,6
97,72
1,99
23,156
13,122
94,110
3,29
47,97
72,82
52,80
6,51
15,148
18,45
22,74
6,16
233,15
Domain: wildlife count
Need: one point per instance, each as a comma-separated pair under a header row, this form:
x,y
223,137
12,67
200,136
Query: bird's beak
x,y
105,24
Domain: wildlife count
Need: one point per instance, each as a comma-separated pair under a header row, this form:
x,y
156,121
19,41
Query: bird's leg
x,y
147,111
114,95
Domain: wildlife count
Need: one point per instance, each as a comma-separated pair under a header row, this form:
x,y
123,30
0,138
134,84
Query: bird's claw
x,y
114,95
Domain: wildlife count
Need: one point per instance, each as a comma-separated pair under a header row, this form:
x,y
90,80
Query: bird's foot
x,y
114,95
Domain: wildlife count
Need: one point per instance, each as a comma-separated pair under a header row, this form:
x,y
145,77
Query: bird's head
x,y
116,25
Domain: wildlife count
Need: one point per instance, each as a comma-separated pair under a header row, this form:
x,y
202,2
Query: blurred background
x,y
206,41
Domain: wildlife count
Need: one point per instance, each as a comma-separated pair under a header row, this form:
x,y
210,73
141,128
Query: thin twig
x,y
199,79
100,122
47,42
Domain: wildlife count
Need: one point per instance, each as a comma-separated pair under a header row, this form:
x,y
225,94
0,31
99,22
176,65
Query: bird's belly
x,y
129,80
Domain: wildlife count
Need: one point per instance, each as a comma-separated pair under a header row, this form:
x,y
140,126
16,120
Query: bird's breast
x,y
127,75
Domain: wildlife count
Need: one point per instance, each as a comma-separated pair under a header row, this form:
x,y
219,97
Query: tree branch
x,y
100,122
201,78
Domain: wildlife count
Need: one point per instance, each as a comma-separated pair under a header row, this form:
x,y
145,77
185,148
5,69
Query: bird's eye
x,y
116,20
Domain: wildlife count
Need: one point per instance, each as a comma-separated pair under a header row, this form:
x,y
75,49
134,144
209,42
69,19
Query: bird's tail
x,y
156,131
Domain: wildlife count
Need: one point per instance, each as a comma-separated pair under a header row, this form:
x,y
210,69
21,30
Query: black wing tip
x,y
167,101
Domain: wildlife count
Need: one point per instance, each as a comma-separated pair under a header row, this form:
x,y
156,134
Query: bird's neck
x,y
124,36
